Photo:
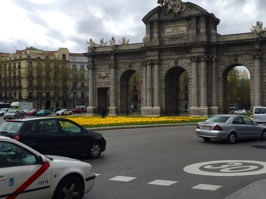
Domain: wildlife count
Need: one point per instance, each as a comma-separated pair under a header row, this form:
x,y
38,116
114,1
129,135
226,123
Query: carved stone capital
x,y
144,63
257,55
156,61
90,66
214,58
112,65
204,58
149,62
194,59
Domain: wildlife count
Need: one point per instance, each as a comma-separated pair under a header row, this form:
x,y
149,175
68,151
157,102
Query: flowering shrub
x,y
123,120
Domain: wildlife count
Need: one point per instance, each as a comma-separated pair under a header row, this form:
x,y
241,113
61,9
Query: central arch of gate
x,y
180,67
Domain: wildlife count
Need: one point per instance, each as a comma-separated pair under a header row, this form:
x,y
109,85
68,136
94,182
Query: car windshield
x,y
220,119
12,111
260,111
10,127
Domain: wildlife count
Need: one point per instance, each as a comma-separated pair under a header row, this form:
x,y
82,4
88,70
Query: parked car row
x,y
11,114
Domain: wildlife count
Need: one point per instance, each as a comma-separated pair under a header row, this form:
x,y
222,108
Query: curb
x,y
139,126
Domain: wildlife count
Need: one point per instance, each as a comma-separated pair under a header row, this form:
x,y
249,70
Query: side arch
x,y
176,92
130,90
225,99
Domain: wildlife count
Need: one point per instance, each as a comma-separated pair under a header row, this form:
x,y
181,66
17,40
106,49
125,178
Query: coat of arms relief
x,y
172,6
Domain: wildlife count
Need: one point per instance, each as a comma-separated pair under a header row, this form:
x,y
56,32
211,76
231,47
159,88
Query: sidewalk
x,y
256,190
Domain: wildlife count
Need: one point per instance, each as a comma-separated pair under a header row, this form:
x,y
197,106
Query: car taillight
x,y
197,127
217,128
16,137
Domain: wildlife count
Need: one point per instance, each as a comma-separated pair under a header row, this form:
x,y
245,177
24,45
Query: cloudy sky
x,y
50,24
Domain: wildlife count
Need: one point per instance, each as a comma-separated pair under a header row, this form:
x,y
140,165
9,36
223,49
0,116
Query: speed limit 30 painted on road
x,y
227,168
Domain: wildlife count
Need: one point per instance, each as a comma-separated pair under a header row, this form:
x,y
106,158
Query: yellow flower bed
x,y
121,120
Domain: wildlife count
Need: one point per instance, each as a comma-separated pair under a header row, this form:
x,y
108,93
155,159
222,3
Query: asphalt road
x,y
173,163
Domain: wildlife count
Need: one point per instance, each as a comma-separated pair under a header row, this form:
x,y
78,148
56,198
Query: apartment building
x,y
42,77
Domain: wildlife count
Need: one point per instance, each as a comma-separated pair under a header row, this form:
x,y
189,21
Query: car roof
x,y
33,119
229,115
4,138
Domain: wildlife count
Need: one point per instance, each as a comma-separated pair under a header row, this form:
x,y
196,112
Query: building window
x,y
64,56
82,68
30,95
47,94
74,95
82,95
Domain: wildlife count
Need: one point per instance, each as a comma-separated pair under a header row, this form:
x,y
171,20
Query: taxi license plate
x,y
206,127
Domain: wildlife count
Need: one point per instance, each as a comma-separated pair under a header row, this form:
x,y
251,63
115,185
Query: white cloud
x,y
63,23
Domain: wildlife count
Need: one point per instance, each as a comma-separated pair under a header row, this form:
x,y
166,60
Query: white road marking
x,y
162,182
122,178
227,168
207,187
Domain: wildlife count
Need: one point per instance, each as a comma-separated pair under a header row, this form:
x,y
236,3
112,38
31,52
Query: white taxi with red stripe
x,y
27,174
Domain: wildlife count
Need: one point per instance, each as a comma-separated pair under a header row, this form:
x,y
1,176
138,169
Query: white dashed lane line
x,y
123,178
162,182
211,168
207,187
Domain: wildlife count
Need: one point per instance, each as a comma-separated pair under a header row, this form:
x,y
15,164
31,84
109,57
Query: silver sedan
x,y
230,128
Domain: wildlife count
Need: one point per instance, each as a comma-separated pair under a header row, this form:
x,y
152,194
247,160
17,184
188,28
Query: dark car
x,y
13,114
55,136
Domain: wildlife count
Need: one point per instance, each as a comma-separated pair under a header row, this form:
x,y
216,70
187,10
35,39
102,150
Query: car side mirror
x,y
40,159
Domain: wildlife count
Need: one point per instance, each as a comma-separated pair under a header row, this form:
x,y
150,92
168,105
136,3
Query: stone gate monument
x,y
181,38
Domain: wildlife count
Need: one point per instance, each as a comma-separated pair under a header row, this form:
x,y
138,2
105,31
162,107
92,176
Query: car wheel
x,y
231,139
62,114
207,139
263,135
95,150
69,187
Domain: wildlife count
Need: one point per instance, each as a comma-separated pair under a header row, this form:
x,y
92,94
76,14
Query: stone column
x,y
91,108
257,80
113,108
149,84
203,109
214,107
144,101
194,108
144,88
156,83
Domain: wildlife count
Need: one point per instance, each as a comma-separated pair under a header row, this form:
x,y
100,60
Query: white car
x,y
64,112
3,111
259,114
25,173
